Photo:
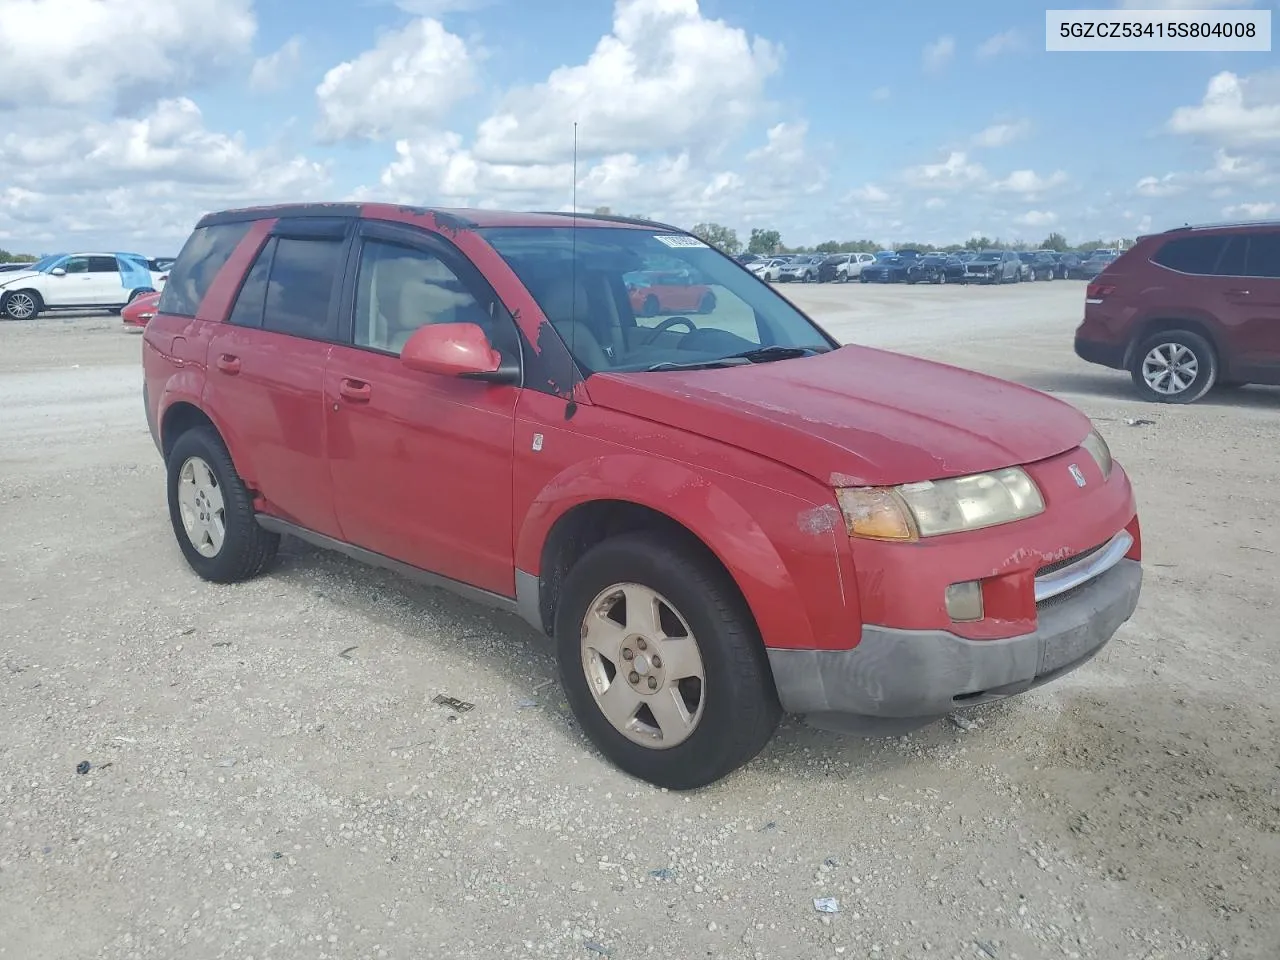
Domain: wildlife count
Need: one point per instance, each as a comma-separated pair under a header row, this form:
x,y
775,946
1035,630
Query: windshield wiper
x,y
697,364
775,352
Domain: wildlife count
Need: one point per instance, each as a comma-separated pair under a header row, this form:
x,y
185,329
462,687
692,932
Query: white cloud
x,y
274,70
1251,211
881,93
1166,186
407,83
952,173
939,53
1037,218
665,78
1235,111
1028,182
1006,42
82,52
934,203
869,193
150,177
439,8
1001,134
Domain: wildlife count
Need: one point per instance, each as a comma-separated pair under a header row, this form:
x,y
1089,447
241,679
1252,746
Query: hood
x,y
855,416
11,276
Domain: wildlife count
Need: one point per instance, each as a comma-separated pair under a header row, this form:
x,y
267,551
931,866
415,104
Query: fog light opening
x,y
964,601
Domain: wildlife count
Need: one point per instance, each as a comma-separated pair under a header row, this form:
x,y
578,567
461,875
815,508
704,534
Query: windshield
x,y
45,264
577,276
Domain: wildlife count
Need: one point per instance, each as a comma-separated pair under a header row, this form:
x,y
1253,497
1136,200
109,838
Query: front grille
x,y
1068,561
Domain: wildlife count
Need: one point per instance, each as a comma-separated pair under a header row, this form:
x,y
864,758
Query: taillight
x,y
1096,291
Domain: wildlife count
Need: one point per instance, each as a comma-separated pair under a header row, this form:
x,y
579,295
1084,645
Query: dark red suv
x,y
1189,309
718,516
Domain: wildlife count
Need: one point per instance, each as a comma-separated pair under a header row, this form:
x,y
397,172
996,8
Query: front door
x,y
266,371
75,288
421,463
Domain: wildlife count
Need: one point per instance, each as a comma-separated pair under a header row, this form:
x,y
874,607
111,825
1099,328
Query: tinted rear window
x,y
303,273
252,299
1191,254
1264,255
202,256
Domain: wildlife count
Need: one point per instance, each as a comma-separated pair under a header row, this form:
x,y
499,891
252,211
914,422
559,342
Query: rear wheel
x,y
661,661
212,511
707,303
1174,366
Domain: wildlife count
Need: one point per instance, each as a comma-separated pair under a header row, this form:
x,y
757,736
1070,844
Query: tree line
x,y
767,242
7,257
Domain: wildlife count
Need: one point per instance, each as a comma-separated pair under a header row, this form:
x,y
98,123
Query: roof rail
x,y
1218,225
611,218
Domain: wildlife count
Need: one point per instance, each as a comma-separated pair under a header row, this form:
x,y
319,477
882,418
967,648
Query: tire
x,y
1189,350
21,305
650,306
733,707
707,303
245,549
942,278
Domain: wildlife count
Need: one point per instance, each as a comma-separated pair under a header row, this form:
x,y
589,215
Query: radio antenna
x,y
572,407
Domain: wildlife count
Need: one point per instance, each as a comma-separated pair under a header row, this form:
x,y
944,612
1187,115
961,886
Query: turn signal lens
x,y
876,513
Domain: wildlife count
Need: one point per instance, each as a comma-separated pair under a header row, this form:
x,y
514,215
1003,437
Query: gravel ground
x,y
270,779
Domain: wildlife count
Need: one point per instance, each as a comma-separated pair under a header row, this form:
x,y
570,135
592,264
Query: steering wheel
x,y
667,324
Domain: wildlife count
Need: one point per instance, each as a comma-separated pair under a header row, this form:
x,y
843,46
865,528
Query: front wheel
x,y
212,511
650,306
661,661
21,305
708,303
1175,366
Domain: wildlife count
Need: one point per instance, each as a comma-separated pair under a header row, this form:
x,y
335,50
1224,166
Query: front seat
x,y
564,302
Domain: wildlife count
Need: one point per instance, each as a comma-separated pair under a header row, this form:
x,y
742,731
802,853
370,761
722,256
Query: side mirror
x,y
457,350
57,272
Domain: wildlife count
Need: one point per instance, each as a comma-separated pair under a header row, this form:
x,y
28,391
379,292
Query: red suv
x,y
718,519
1189,309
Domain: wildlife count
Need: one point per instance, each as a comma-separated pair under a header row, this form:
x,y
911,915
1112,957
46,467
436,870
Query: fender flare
x,y
691,499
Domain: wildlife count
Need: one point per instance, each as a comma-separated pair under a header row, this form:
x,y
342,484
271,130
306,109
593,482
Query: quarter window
x,y
203,255
300,288
1191,254
252,299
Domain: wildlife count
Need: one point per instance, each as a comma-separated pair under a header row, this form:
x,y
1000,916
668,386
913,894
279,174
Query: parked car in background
x,y
136,315
17,265
1040,264
852,269
931,268
746,258
890,268
76,281
654,292
1096,263
715,520
988,266
160,264
768,269
801,270
1187,310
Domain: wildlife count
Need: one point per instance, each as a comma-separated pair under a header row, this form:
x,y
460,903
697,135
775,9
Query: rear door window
x,y
252,299
1198,255
203,255
303,277
1232,261
103,265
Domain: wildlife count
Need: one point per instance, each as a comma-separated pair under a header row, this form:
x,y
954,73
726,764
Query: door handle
x,y
357,391
228,363
1237,293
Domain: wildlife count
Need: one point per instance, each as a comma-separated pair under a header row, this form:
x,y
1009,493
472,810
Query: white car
x,y
851,269
769,269
77,281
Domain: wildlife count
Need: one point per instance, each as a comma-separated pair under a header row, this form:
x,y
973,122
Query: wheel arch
x,y
581,509
180,414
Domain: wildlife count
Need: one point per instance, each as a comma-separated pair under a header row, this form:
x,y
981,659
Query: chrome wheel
x,y
1170,368
643,665
203,510
20,306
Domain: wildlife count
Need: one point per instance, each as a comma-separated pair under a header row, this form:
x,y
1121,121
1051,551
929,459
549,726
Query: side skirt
x,y
521,607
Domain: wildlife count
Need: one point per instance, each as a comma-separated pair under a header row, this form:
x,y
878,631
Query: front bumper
x,y
926,674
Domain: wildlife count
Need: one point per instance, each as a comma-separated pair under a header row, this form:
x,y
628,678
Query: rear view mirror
x,y
457,350
58,272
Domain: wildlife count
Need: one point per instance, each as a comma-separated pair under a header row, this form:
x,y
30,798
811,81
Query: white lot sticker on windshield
x,y
676,240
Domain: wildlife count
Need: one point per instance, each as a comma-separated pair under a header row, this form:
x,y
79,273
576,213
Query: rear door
x,y
266,367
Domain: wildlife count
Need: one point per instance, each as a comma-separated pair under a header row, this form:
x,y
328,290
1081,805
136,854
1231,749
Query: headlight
x,y
937,507
1097,448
